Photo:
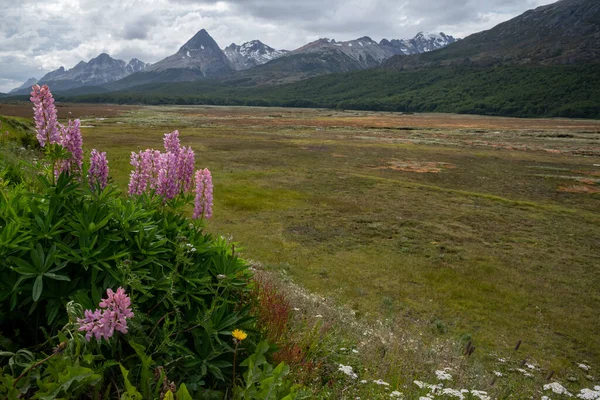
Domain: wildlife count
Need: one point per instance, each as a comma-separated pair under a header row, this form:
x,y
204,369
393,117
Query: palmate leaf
x,y
38,285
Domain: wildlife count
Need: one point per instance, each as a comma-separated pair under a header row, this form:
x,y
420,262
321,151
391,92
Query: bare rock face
x,y
98,71
364,51
201,53
421,43
25,86
251,54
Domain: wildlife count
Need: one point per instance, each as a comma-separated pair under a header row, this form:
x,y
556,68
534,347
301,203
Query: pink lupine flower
x,y
167,184
46,122
150,167
98,172
185,168
136,183
171,142
116,309
70,139
203,202
144,176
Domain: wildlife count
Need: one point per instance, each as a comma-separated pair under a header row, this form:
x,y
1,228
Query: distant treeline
x,y
516,91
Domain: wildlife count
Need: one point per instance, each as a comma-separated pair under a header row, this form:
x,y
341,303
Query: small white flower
x,y
355,351
347,369
380,382
296,309
482,395
530,366
524,372
318,316
557,388
364,381
443,375
395,393
502,360
453,393
343,349
498,373
589,394
584,367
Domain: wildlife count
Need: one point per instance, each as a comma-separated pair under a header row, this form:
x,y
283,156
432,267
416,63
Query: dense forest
x,y
517,91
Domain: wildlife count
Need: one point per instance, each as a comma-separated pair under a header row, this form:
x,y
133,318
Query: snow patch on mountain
x,y
251,54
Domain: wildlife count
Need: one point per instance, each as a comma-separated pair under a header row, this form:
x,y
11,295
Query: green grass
x,y
486,250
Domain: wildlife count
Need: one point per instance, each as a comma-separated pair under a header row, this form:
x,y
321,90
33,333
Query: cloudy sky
x,y
39,36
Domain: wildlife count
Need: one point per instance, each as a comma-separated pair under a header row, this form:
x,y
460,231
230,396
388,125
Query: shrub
x,y
68,242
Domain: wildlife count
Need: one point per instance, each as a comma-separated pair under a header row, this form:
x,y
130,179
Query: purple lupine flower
x,y
185,168
203,202
70,139
112,315
136,183
98,172
167,180
171,142
46,122
150,166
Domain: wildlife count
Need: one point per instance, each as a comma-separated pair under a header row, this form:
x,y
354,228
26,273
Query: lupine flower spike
x,y
98,172
203,201
70,139
46,122
112,315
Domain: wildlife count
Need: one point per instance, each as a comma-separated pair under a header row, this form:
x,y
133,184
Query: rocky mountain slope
x,y
98,71
251,54
200,54
27,85
326,56
421,43
565,32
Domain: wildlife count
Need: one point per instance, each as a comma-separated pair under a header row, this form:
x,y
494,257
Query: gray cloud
x,y
36,37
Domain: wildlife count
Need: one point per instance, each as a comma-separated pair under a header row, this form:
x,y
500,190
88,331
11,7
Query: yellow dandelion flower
x,y
239,334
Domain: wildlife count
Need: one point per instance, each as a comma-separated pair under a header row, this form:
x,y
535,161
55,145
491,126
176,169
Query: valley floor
x,y
476,228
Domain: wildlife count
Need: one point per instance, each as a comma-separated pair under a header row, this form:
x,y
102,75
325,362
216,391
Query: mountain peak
x,y
251,54
200,54
27,85
200,41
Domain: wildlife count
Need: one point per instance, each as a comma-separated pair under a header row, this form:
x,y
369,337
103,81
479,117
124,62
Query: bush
x,y
69,242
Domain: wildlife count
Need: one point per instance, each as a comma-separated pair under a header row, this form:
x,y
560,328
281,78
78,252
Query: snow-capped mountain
x,y
98,71
251,54
365,51
200,54
27,85
422,42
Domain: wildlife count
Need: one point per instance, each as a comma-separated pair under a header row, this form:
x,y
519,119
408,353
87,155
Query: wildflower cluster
x,y
46,122
168,174
50,131
171,173
204,194
98,172
112,315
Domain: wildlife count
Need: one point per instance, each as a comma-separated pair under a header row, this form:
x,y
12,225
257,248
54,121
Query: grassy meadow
x,y
472,228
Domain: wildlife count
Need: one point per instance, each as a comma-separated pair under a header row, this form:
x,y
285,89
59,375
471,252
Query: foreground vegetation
x,y
517,91
107,296
427,259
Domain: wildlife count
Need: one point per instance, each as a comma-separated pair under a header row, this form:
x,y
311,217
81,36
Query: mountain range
x,y
565,32
201,57
98,71
542,63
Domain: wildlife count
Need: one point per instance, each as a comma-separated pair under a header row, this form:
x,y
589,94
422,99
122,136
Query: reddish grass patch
x,y
418,166
578,189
